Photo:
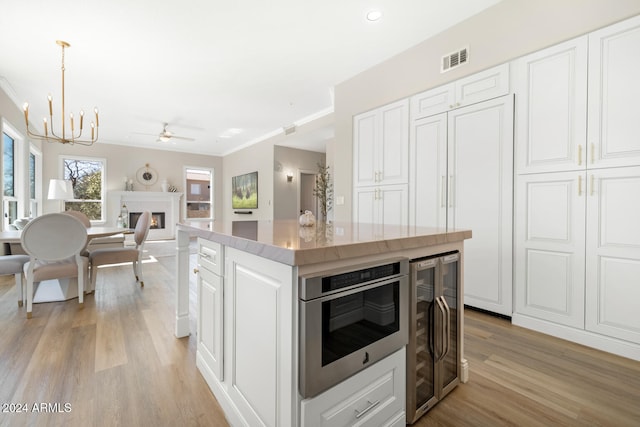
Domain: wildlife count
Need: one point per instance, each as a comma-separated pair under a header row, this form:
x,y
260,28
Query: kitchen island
x,y
248,315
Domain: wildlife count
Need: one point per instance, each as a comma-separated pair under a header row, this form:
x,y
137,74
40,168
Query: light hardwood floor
x,y
116,362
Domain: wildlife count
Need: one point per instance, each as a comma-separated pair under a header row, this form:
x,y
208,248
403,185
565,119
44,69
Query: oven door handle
x,y
400,279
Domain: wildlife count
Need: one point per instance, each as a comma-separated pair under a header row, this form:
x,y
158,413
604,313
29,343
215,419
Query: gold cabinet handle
x,y
196,271
592,184
579,185
579,154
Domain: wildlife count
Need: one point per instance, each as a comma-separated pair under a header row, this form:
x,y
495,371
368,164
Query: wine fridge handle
x,y
442,352
447,327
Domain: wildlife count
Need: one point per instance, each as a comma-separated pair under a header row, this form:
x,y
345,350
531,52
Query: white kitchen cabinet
x,y
210,308
462,177
551,108
259,326
381,145
550,239
613,253
614,90
577,235
577,257
373,397
478,87
385,205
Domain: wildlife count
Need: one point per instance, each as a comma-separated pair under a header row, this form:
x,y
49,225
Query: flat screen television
x,y
244,191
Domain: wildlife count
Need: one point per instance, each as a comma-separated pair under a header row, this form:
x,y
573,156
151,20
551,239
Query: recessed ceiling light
x,y
374,15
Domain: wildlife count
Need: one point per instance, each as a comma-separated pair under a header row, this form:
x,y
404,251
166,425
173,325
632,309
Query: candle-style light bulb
x,y
46,132
81,118
25,108
50,106
92,128
71,118
95,110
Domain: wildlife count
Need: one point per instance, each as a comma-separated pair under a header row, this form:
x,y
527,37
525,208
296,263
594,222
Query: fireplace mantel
x,y
155,201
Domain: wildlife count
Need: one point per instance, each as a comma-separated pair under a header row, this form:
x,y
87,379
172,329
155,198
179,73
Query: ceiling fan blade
x,y
182,137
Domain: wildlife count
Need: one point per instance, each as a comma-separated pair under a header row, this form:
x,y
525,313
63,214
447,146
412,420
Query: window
x,y
87,179
9,175
35,181
199,186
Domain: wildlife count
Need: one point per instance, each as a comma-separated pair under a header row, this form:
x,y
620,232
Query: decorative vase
x,y
307,219
165,185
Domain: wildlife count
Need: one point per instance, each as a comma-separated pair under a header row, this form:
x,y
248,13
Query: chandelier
x,y
50,135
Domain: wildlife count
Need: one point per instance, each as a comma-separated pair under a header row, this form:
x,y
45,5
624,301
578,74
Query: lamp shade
x,y
59,189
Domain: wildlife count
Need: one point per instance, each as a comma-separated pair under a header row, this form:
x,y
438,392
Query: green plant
x,y
323,190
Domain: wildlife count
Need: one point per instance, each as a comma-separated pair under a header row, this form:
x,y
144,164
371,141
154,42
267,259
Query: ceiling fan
x,y
166,135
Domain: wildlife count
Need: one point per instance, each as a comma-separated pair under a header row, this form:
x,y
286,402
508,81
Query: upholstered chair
x,y
54,242
13,264
126,254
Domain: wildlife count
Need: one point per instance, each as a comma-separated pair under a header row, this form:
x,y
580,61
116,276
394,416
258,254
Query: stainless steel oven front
x,y
349,319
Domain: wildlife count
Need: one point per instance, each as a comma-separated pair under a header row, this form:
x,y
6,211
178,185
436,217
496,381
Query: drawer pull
x,y
367,409
204,255
196,271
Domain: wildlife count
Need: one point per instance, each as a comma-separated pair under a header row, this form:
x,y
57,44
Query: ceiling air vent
x,y
455,59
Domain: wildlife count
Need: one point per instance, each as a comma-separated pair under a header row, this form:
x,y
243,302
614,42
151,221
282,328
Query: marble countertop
x,y
287,242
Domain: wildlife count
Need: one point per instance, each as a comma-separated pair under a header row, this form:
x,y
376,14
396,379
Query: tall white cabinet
x,y
577,234
462,177
381,159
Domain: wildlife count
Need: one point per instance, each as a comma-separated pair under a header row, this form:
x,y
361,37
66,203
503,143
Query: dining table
x,y
57,289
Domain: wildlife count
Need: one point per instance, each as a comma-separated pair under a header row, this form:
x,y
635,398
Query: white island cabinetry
x,y
248,340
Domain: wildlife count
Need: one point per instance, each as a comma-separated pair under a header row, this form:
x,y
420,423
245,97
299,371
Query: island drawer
x,y
210,256
375,396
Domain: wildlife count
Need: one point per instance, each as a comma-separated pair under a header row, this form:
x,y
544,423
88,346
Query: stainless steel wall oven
x,y
349,319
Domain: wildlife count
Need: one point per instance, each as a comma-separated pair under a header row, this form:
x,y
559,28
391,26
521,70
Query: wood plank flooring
x,y
116,362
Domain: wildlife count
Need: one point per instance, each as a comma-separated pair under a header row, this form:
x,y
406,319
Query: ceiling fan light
x,y
164,138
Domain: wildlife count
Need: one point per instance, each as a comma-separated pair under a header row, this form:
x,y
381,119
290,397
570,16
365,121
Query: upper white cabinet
x,y
614,90
478,87
461,175
551,106
381,145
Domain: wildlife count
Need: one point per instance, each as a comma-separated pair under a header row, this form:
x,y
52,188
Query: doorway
x,y
308,202
198,194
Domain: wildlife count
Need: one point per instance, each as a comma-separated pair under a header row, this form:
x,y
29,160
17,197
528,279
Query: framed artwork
x,y
244,191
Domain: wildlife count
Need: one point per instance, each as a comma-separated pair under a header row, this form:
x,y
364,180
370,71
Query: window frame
x,y
103,183
20,173
185,197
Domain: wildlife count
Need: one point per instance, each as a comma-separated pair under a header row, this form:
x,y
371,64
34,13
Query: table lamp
x,y
60,189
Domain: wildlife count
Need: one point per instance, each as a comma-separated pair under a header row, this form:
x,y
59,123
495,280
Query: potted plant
x,y
323,190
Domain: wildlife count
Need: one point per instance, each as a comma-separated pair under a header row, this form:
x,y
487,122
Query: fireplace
x,y
157,220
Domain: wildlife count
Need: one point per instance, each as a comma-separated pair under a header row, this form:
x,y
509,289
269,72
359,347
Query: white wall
x,y
125,161
286,193
503,32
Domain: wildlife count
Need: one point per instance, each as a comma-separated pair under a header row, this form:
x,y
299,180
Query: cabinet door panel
x,y
480,198
433,101
395,203
365,205
428,204
210,327
261,380
613,253
482,86
364,128
549,245
394,143
614,90
551,124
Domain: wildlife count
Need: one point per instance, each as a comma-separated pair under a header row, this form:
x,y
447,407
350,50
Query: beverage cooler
x,y
435,310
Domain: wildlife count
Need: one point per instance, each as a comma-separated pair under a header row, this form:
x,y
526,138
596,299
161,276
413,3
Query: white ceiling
x,y
205,66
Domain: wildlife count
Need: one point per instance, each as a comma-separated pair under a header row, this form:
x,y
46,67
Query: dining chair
x,y
114,241
126,254
13,264
53,243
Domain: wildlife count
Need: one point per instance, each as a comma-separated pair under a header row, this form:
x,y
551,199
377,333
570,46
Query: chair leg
x,y
20,289
81,277
140,271
29,296
94,273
